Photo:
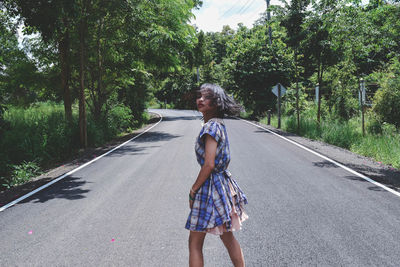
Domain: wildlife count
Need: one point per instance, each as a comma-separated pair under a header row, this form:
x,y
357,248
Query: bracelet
x,y
191,190
190,197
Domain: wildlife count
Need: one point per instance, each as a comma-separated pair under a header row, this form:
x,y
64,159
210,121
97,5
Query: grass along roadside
x,y
383,148
38,138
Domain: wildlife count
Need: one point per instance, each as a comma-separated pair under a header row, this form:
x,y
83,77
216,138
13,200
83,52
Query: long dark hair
x,y
226,105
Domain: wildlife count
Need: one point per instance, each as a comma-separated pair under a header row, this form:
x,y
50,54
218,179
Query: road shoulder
x,y
379,172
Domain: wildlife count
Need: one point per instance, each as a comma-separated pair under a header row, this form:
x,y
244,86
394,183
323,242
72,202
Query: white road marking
x,y
330,160
75,170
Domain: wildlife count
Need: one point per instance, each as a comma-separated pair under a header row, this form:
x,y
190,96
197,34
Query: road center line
x,y
76,169
328,159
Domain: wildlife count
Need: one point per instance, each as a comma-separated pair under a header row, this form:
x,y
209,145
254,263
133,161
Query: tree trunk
x,y
82,101
297,92
63,49
99,101
319,93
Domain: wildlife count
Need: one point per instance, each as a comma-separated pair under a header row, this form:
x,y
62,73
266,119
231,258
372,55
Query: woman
x,y
215,199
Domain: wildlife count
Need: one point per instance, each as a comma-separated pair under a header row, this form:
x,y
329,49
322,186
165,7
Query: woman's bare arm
x,y
209,162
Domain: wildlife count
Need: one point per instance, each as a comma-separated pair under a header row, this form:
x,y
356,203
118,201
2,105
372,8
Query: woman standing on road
x,y
215,199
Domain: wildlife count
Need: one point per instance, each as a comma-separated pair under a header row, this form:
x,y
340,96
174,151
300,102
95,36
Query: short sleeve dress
x,y
218,204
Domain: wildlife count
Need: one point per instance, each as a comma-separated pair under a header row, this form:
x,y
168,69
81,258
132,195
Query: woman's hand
x,y
192,194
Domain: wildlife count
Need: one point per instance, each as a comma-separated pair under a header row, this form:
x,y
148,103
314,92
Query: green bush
x,y
373,125
387,98
384,147
342,134
41,135
120,118
22,173
38,132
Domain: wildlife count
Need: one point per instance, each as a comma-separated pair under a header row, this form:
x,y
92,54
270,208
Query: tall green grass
x,y
384,147
39,137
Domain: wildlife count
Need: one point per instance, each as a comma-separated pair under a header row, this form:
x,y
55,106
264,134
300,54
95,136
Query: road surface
x,y
129,208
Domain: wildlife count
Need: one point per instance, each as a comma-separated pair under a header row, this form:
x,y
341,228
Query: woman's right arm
x,y
208,166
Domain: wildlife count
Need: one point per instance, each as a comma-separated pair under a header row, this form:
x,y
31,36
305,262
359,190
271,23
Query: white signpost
x,y
279,90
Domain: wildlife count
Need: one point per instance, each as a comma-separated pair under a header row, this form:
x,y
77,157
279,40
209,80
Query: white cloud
x,y
214,14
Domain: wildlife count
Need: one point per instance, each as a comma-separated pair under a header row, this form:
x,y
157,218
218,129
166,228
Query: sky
x,y
216,13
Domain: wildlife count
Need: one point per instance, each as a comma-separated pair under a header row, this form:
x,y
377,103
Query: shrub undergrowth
x,y
381,142
39,137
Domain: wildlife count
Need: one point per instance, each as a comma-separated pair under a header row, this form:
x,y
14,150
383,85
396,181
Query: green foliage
x,y
120,118
383,147
41,134
340,133
22,173
373,124
37,132
254,69
135,52
19,77
387,98
289,100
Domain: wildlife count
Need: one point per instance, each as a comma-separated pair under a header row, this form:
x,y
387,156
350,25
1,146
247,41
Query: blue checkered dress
x,y
213,202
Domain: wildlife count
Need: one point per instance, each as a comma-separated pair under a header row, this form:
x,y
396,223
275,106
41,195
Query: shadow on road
x,y
182,118
135,148
278,132
155,137
68,188
129,149
325,163
389,178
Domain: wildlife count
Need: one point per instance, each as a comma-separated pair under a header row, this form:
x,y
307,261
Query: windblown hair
x,y
226,105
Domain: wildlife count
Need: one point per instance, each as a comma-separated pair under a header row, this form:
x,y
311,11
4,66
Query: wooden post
x,y
362,88
269,117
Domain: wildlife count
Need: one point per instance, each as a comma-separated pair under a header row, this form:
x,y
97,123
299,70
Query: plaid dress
x,y
219,194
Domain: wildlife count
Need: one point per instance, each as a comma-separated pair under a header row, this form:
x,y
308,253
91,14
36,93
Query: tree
x,y
319,52
19,77
53,20
387,98
251,68
292,18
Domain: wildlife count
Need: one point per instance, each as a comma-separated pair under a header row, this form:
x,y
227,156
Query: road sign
x,y
275,90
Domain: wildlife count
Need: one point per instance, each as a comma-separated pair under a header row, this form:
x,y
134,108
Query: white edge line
x,y
328,159
77,169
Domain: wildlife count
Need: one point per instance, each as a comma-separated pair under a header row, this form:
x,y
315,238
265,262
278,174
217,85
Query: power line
x,y
232,7
248,1
247,8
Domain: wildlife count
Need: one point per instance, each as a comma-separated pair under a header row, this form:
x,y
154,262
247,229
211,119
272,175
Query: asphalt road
x,y
129,208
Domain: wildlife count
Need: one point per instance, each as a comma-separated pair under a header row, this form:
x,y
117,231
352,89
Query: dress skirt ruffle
x,y
221,209
236,221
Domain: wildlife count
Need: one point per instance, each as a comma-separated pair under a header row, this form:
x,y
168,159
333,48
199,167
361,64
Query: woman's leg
x,y
196,241
233,247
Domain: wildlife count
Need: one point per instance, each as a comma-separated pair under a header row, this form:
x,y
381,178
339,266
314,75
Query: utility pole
x,y
362,103
269,26
279,105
